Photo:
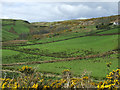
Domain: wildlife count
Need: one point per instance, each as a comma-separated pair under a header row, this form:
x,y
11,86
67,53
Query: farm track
x,y
92,34
67,59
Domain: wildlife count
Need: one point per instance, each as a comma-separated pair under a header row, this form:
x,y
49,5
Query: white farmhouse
x,y
115,23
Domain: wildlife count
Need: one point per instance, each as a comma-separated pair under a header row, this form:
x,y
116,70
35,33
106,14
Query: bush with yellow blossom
x,y
112,80
36,80
26,70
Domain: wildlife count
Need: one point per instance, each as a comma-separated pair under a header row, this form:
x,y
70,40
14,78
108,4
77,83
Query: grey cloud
x,y
35,12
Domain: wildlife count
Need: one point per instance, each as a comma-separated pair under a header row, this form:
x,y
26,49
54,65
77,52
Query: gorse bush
x,y
112,80
37,80
26,70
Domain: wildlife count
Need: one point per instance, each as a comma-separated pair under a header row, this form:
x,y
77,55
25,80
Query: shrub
x,y
37,80
103,26
26,70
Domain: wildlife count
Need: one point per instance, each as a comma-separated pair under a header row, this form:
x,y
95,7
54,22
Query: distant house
x,y
115,23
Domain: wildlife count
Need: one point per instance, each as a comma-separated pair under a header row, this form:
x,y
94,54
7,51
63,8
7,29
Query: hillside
x,y
13,29
23,30
51,47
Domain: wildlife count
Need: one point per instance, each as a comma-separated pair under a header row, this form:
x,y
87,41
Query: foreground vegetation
x,y
31,79
85,51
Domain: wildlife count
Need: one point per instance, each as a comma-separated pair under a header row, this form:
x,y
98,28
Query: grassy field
x,y
10,56
71,48
12,29
96,66
9,53
115,30
81,46
79,42
100,44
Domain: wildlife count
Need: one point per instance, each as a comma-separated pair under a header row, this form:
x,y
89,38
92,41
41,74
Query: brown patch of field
x,y
14,42
12,30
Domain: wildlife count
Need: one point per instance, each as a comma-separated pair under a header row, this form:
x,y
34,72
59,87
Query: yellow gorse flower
x,y
35,85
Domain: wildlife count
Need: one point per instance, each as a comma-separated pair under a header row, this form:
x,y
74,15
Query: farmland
x,y
66,45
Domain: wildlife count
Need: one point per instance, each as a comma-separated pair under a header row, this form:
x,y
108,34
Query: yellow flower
x,y
109,77
107,86
15,86
3,86
117,70
115,80
26,67
67,70
85,77
98,86
72,85
41,80
23,67
18,86
30,67
105,82
35,85
102,87
45,86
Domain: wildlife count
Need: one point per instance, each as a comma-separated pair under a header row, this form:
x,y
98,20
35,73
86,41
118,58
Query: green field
x,y
79,42
12,29
100,44
9,53
77,67
115,30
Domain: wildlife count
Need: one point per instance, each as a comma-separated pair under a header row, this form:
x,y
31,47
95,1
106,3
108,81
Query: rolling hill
x,y
77,45
23,30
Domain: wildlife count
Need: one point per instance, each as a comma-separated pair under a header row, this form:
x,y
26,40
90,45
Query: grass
x,y
8,36
19,26
67,35
78,66
96,66
82,46
9,53
60,37
10,56
73,47
97,43
115,30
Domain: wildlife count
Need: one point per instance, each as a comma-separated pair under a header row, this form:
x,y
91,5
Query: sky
x,y
56,11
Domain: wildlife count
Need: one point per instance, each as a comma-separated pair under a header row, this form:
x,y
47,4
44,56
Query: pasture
x,y
67,45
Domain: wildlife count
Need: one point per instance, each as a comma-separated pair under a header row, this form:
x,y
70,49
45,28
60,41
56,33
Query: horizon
x,y
57,11
58,21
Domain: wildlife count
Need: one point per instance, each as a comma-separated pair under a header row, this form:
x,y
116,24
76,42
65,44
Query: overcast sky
x,y
57,11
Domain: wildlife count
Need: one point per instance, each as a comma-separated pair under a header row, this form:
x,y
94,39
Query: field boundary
x,y
11,71
91,34
67,59
45,74
106,34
